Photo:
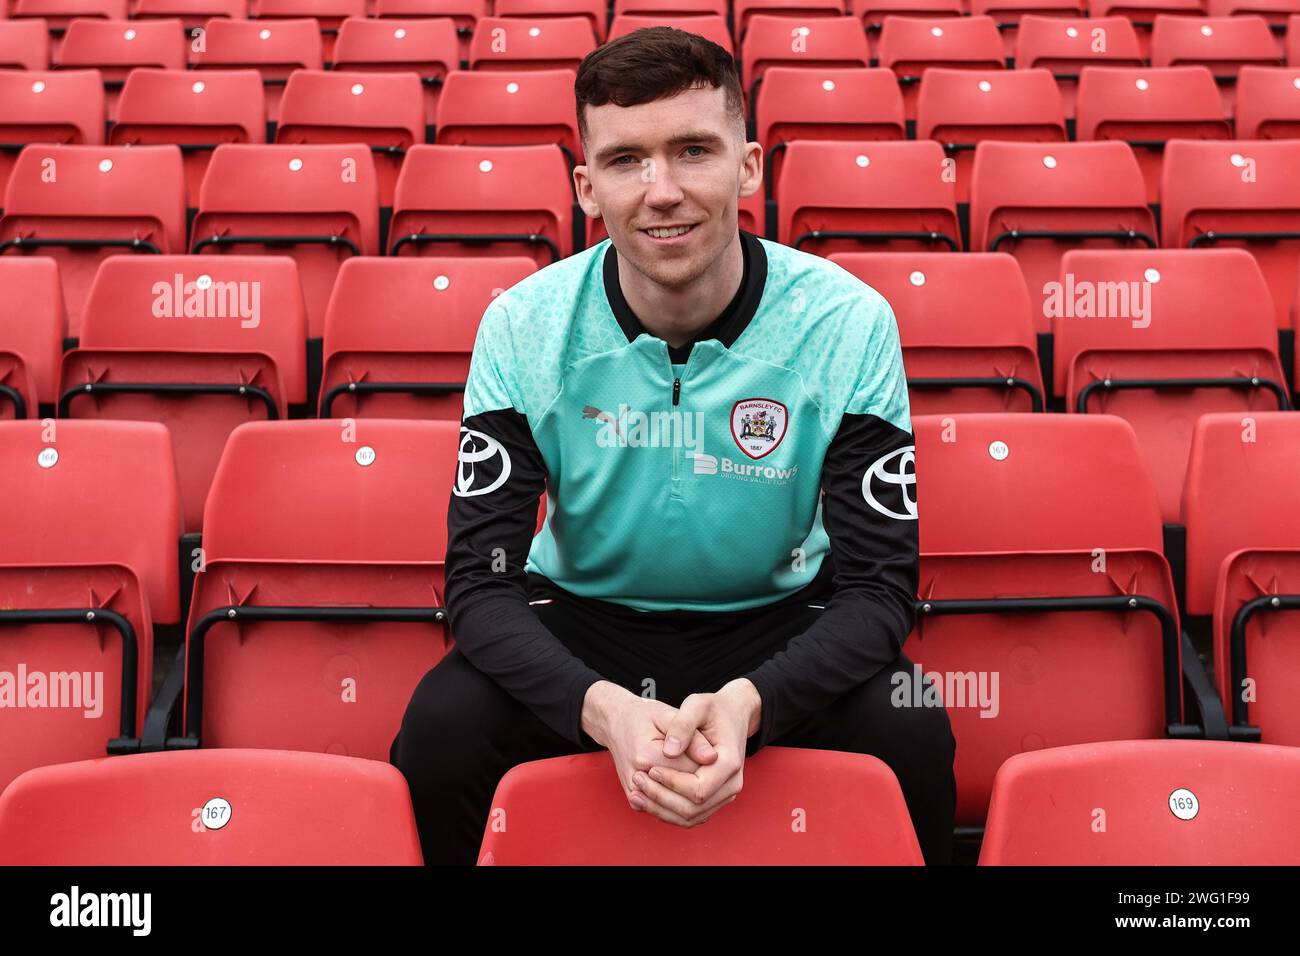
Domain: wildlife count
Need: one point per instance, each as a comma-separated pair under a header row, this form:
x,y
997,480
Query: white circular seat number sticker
x,y
216,813
1183,804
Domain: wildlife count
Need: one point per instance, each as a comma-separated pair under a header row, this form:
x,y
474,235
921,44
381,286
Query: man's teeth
x,y
668,233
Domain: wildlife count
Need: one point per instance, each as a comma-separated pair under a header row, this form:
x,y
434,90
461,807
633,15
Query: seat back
x,y
530,43
58,15
24,45
273,49
1065,47
464,13
745,10
193,14
115,47
804,42
42,106
872,13
710,26
1143,13
596,12
32,327
510,108
911,45
1267,104
328,13
1007,15
428,47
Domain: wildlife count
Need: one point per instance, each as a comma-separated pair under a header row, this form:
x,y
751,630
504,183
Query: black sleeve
x,y
869,512
499,481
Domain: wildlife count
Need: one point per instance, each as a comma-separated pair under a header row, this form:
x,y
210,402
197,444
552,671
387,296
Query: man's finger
x,y
685,721
701,786
675,802
700,750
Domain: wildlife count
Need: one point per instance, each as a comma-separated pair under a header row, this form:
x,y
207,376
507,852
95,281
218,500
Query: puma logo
x,y
591,411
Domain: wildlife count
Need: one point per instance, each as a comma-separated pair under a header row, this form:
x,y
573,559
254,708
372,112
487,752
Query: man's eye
x,y
700,151
619,160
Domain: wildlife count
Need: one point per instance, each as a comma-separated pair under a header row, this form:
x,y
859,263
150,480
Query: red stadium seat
x,y
966,328
1143,13
1007,14
520,108
273,49
319,607
196,111
1240,193
1146,803
115,47
464,13
743,12
804,42
32,326
1163,365
856,798
1243,565
710,27
1054,582
842,197
329,14
318,203
399,333
911,45
670,8
484,200
385,111
1036,202
236,807
81,204
1147,107
873,12
201,344
1268,102
58,14
835,104
193,14
1065,48
1275,12
426,47
960,108
24,45
1224,44
39,106
89,523
519,43
596,11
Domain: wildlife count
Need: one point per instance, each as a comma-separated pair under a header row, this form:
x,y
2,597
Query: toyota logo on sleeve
x,y
475,464
893,476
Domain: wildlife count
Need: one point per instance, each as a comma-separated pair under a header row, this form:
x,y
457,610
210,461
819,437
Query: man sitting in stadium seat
x,y
721,426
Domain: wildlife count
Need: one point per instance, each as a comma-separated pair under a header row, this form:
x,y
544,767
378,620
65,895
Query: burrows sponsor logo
x,y
744,471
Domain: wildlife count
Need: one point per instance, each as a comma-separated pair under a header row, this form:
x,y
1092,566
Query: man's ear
x,y
751,170
582,187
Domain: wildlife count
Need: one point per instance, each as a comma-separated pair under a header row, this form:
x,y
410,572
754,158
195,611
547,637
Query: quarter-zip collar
x,y
726,328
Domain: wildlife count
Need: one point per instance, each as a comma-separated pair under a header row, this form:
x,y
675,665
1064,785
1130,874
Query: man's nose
x,y
661,188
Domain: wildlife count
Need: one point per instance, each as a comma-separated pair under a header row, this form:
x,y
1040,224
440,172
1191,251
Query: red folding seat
x,y
531,43
32,326
751,215
1268,102
961,108
464,13
41,106
845,197
966,327
911,45
1292,40
1036,202
519,108
1275,12
1142,14
708,26
670,8
848,103
872,13
89,525
567,812
426,47
596,11
383,110
399,333
24,45
1239,193
319,606
744,10
1007,14
329,14
1054,586
805,42
1146,107
201,344
1146,803
1224,44
283,809
81,204
273,49
198,112
58,14
1243,565
193,14
115,47
1066,48
317,203
1141,334
484,200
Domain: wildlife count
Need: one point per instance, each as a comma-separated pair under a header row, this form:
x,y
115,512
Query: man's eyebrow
x,y
681,139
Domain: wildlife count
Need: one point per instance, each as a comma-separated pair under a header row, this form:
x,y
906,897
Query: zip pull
x,y
677,390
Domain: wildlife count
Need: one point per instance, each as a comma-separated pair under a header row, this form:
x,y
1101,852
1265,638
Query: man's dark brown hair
x,y
654,63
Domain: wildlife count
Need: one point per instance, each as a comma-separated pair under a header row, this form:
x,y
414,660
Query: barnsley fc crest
x,y
758,425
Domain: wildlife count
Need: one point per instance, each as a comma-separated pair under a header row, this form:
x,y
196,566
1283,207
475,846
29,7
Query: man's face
x,y
661,167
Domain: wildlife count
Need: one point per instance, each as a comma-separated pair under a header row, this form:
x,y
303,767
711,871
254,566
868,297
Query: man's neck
x,y
677,315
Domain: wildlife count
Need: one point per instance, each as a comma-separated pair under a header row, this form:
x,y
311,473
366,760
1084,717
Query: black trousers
x,y
462,731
